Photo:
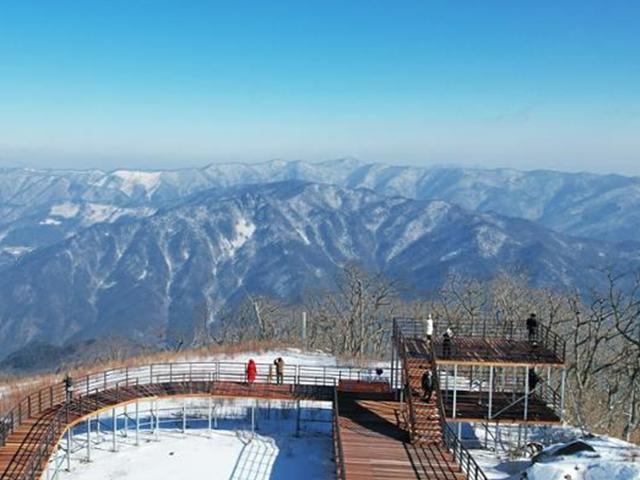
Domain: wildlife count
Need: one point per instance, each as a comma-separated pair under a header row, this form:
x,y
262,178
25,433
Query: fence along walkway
x,y
30,432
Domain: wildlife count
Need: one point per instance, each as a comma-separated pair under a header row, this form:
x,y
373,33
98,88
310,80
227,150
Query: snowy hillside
x,y
282,239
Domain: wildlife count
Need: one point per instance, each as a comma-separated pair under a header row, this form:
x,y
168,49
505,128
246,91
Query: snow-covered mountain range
x,y
89,253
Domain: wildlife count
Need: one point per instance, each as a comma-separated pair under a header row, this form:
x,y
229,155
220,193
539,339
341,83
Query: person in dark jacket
x,y
533,379
427,385
279,363
446,343
68,387
532,328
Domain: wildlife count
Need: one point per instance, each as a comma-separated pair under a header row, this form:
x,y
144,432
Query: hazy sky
x,y
168,83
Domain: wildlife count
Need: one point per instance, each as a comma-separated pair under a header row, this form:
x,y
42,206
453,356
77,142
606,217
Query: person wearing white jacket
x,y
429,327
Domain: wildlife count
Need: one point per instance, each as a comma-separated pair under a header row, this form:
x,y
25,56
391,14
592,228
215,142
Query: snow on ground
x,y
274,451
613,459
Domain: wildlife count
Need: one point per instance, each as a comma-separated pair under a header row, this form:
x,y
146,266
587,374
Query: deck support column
x,y
563,381
455,389
184,416
114,428
88,439
69,449
126,422
137,423
298,418
490,391
210,416
526,392
253,416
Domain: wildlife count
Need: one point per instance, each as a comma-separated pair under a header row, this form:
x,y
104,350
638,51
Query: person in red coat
x,y
252,371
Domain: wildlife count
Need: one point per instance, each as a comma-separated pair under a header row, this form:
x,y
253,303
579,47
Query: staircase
x,y
427,425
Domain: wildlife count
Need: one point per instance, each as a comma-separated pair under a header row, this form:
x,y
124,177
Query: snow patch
x,y
490,241
131,179
65,210
49,221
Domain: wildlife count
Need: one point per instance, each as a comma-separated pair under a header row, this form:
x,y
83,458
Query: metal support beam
x,y
126,421
455,389
564,376
137,423
184,416
210,416
526,392
88,439
253,416
490,390
298,418
114,424
68,449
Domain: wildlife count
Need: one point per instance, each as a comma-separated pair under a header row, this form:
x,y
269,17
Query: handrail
x,y
406,386
453,443
488,327
49,397
460,453
341,473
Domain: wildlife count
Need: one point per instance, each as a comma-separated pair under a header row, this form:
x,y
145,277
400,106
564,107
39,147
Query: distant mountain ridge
x,y
41,207
146,277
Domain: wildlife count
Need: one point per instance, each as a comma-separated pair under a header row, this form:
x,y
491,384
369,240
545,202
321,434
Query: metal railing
x,y
490,328
341,473
451,440
86,388
408,412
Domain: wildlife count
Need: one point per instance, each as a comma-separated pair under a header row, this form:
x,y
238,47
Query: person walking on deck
x,y
279,363
446,343
427,385
532,328
429,328
252,371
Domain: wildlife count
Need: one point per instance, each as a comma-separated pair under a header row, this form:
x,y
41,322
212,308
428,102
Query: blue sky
x,y
170,83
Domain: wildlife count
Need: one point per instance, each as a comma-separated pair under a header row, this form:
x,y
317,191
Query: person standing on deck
x,y
68,387
446,343
252,371
427,385
532,328
279,363
429,328
533,380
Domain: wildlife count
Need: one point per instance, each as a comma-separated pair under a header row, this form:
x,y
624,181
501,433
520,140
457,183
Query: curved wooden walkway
x,y
28,448
369,420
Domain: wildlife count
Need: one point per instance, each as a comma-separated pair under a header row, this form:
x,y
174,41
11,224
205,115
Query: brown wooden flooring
x,y
486,351
21,444
376,447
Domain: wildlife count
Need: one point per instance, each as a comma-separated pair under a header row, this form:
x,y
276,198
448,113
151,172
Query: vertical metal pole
x,y
455,389
156,416
490,390
126,422
215,417
253,416
114,427
88,439
69,449
298,418
184,415
137,423
564,375
210,417
526,392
